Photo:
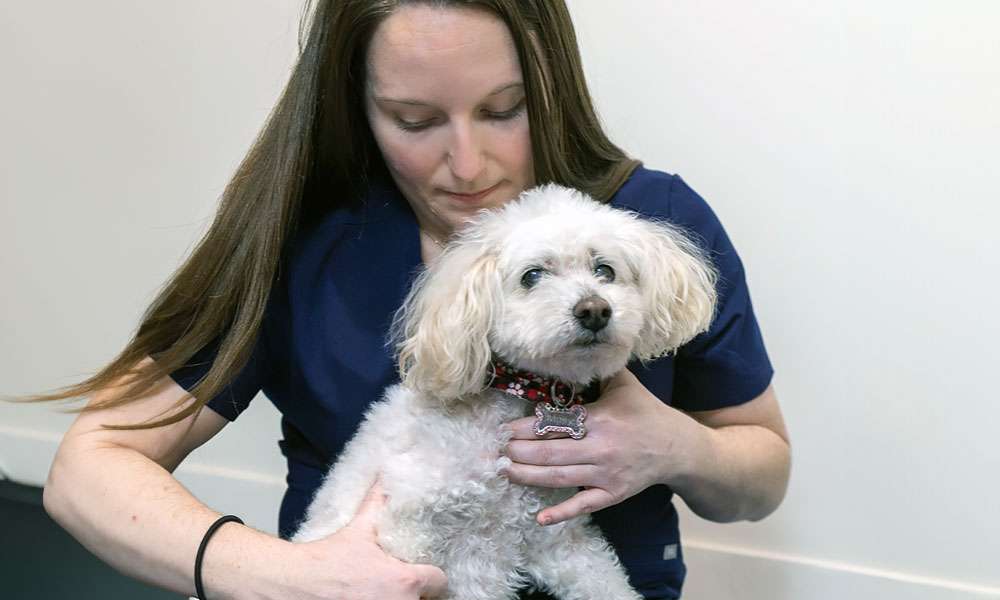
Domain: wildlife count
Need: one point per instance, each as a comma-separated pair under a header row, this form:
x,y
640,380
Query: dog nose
x,y
593,312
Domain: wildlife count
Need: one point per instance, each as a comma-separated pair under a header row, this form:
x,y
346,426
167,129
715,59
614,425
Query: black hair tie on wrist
x,y
199,589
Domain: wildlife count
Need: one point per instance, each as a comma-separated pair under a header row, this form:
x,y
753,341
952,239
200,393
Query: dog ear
x,y
441,331
678,285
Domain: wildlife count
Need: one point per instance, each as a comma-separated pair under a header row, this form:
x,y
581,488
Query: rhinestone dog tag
x,y
564,420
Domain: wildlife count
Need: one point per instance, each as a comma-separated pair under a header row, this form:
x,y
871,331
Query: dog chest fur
x,y
447,502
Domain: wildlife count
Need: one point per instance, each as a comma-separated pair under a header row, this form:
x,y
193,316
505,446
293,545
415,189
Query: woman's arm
x,y
114,492
742,473
727,465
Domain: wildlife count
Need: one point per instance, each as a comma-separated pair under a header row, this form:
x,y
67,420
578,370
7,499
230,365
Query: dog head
x,y
554,283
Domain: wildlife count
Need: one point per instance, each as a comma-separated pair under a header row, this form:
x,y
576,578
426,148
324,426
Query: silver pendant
x,y
562,419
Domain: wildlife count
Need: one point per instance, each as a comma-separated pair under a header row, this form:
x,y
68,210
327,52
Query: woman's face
x,y
446,104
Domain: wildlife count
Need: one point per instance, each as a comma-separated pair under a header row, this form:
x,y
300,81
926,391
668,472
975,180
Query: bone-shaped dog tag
x,y
564,420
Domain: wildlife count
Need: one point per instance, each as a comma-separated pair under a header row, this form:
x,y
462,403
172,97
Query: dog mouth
x,y
588,340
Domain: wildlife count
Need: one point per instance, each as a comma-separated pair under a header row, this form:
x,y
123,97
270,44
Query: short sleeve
x,y
727,365
236,396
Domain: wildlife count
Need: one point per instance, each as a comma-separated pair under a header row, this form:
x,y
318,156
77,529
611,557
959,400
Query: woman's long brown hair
x,y
315,154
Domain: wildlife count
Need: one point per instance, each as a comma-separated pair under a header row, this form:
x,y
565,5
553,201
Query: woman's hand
x,y
350,564
633,441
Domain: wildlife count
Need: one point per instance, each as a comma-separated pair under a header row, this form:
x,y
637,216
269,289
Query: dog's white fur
x,y
434,439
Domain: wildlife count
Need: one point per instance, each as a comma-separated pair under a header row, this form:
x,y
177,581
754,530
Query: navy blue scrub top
x,y
321,356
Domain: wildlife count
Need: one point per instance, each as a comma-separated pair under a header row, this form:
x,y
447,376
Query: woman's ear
x,y
678,285
442,330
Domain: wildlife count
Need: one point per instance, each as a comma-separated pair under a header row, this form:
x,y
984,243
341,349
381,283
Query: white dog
x,y
553,283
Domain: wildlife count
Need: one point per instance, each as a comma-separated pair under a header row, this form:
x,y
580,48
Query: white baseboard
x,y
253,497
25,456
717,572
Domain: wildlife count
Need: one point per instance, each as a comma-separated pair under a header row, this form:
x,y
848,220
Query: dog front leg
x,y
340,496
481,573
572,561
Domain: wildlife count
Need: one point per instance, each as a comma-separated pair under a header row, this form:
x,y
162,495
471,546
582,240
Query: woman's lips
x,y
472,197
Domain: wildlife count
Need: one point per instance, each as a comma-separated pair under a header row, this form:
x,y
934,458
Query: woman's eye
x,y
605,272
413,125
531,277
504,115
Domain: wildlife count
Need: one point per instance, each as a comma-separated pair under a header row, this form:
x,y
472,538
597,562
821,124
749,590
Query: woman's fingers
x,y
382,576
364,519
583,503
550,452
552,477
431,581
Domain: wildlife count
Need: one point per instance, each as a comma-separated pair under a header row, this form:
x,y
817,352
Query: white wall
x,y
121,123
849,147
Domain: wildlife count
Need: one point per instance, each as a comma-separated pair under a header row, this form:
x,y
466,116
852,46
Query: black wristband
x,y
199,589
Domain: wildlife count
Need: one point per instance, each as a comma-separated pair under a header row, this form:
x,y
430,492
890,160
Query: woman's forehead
x,y
422,53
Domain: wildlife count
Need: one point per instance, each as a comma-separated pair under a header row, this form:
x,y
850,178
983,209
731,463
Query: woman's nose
x,y
465,156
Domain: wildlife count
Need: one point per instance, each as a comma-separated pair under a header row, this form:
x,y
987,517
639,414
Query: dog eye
x,y
531,277
605,272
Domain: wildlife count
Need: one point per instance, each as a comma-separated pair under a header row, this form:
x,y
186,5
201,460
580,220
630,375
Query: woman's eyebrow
x,y
413,102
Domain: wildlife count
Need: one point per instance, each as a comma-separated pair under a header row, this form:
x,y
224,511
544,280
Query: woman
x,y
400,121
